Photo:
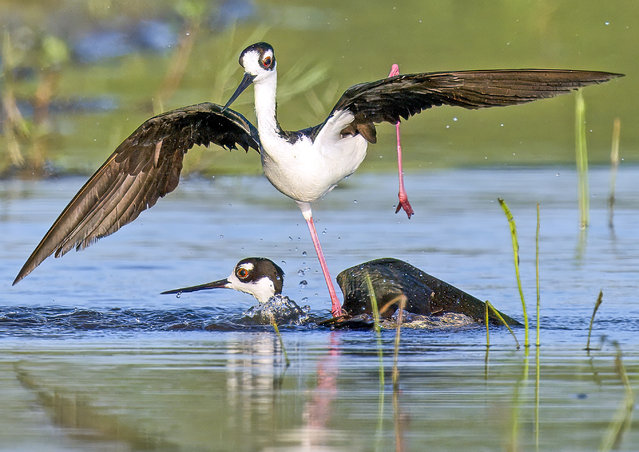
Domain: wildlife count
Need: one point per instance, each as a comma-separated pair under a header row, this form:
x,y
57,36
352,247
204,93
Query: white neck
x,y
265,105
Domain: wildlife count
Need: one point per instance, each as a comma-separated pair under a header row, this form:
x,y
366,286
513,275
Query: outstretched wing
x,y
405,95
145,167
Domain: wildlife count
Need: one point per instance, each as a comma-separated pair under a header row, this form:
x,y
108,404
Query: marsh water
x,y
93,357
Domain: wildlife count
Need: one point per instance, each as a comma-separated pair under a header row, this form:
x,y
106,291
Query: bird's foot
x,y
336,310
404,204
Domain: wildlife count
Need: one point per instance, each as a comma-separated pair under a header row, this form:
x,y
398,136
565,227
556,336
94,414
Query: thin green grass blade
x,y
614,165
582,159
501,319
537,276
513,235
279,336
623,417
380,356
592,318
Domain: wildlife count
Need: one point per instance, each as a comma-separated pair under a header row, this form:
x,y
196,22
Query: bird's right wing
x,y
402,96
145,167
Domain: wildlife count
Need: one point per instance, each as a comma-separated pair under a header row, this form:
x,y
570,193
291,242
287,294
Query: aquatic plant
x,y
537,276
623,417
513,235
614,166
279,337
581,149
501,319
592,318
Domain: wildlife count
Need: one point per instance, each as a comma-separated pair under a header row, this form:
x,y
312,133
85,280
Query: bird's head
x,y
257,276
258,61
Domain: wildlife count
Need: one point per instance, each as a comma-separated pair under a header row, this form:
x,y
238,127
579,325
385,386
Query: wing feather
x,y
402,96
143,168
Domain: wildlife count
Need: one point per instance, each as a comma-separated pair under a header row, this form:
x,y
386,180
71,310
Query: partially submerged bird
x,y
304,165
394,284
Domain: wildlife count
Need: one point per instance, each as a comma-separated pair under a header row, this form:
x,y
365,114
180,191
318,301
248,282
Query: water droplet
x,y
447,126
303,283
178,295
455,118
304,253
501,125
300,272
305,299
221,236
324,232
606,23
354,201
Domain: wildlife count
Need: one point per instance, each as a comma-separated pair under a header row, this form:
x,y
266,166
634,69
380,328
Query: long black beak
x,y
246,81
212,285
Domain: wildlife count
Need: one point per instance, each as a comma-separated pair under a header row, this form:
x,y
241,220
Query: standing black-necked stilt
x,y
389,279
304,165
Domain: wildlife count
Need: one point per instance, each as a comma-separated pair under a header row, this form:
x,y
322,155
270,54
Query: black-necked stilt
x,y
257,276
304,165
389,278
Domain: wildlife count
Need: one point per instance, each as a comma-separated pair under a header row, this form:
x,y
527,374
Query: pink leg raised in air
x,y
336,308
403,197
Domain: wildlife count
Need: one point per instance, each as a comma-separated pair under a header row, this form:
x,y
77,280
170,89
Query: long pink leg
x,y
402,195
336,308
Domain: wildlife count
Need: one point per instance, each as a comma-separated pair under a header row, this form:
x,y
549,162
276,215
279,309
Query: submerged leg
x,y
336,308
402,195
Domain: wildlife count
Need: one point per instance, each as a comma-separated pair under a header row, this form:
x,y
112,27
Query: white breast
x,y
305,171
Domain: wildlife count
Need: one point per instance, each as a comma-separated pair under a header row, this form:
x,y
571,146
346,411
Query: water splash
x,y
279,307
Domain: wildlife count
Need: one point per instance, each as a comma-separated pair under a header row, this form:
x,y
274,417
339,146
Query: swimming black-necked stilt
x,y
257,276
304,165
389,278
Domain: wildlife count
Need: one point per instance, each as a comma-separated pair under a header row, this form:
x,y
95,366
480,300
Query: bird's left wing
x,y
402,96
145,167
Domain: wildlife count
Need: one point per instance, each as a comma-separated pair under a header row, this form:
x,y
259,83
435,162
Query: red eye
x,y
266,62
242,273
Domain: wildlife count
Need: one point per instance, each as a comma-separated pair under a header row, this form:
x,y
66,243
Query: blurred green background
x,y
78,101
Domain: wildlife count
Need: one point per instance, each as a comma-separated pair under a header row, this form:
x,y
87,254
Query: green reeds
x,y
400,318
513,235
378,330
192,12
537,275
614,166
623,417
279,336
581,149
15,126
501,319
592,318
380,356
